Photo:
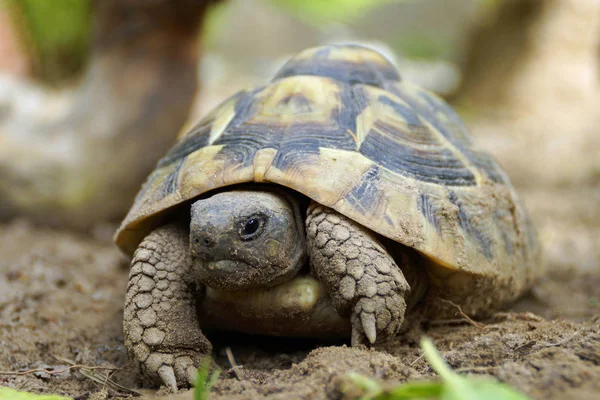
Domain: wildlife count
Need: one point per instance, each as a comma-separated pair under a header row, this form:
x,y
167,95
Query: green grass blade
x,y
435,360
57,33
371,387
406,391
457,387
319,12
416,390
11,394
205,380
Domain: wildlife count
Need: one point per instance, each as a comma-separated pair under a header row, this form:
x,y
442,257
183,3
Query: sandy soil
x,y
61,295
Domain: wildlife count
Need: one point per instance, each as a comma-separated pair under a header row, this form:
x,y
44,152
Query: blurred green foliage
x,y
421,46
56,34
451,387
205,380
11,394
319,12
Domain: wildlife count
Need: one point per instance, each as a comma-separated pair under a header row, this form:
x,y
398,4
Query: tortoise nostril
x,y
205,241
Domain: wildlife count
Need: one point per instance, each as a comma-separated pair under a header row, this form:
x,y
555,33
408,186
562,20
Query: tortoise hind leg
x,y
359,274
161,326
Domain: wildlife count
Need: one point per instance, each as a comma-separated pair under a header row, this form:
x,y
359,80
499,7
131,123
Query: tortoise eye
x,y
252,227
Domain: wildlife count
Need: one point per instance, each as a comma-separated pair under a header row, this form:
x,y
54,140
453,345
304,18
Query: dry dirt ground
x,y
61,299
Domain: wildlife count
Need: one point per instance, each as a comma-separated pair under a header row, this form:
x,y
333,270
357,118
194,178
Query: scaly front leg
x,y
361,277
161,327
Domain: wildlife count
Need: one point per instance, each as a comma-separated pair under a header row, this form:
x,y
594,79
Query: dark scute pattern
x,y
435,165
353,100
429,211
296,140
489,166
459,134
240,145
485,243
342,71
388,220
244,108
320,64
431,113
366,194
305,139
169,185
299,101
323,53
409,115
292,142
460,138
502,217
290,155
145,187
359,98
454,130
198,136
193,141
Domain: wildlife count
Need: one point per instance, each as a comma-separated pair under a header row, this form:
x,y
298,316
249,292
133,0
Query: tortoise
x,y
325,203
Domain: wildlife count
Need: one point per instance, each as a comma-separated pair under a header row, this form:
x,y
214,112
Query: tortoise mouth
x,y
230,266
236,275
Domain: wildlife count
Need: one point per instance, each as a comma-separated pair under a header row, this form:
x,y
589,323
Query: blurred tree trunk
x,y
54,35
534,77
79,157
13,57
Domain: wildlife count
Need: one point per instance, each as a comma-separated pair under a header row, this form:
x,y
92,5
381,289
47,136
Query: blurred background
x,y
92,93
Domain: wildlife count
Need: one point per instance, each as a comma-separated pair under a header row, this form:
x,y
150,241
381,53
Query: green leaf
x,y
423,45
371,387
457,387
318,12
452,386
11,394
416,390
406,391
57,33
205,380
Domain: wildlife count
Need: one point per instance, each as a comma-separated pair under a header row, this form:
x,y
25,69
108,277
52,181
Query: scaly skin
x,y
361,277
161,327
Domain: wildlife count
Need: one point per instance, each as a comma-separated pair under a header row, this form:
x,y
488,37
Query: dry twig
x,y
477,369
464,316
417,360
100,378
237,369
54,371
565,340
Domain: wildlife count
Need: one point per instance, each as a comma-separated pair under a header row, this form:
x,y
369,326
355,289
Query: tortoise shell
x,y
339,125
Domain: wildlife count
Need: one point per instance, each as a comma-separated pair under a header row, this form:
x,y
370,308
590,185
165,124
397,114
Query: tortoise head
x,y
246,239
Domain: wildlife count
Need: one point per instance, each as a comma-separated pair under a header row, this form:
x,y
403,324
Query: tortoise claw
x,y
368,326
167,375
191,375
